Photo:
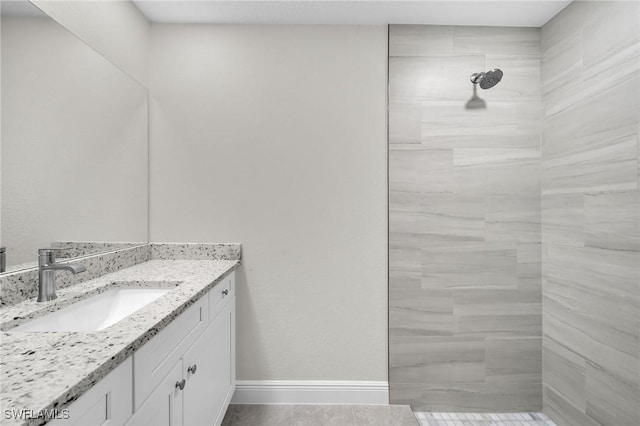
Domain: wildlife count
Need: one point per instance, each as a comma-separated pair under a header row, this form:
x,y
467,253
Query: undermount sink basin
x,y
97,312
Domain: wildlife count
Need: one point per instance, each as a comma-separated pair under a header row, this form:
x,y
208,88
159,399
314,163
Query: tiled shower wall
x,y
590,214
465,324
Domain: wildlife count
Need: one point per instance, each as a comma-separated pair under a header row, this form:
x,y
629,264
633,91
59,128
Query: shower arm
x,y
475,77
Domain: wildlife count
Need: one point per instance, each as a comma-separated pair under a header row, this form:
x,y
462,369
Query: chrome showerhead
x,y
488,79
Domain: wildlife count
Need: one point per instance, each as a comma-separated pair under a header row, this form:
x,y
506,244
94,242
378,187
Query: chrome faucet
x,y
3,259
47,268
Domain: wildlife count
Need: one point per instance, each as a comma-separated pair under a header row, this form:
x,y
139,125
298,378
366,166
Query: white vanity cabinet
x,y
208,368
108,402
184,375
153,361
198,371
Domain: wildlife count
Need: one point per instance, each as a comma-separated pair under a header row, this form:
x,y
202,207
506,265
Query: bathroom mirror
x,y
74,148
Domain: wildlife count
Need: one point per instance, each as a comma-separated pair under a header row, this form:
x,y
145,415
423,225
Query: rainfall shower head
x,y
488,79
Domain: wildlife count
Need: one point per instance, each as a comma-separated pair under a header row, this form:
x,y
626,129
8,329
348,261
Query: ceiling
x,y
452,12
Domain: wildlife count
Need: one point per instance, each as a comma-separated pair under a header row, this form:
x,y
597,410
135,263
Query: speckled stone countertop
x,y
43,371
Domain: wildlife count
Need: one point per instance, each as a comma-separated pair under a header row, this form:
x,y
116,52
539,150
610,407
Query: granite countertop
x,y
43,371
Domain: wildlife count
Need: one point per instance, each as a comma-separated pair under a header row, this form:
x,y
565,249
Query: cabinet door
x,y
108,402
206,391
153,361
164,407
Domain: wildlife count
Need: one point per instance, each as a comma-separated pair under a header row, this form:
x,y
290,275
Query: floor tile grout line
x,y
426,418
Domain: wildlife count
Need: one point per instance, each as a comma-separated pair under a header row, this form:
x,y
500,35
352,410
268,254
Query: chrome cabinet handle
x,y
225,292
192,369
180,384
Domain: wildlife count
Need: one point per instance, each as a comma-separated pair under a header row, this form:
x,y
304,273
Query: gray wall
x,y
274,136
115,28
464,211
72,120
590,214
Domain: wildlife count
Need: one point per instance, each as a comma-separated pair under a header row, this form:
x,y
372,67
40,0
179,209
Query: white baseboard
x,y
310,392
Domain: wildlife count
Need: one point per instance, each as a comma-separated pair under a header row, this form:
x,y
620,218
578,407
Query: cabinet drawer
x,y
154,360
108,402
221,293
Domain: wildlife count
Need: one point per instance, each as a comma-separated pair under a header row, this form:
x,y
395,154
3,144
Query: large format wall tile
x,y
513,218
563,219
610,400
591,214
405,122
424,219
611,38
514,359
406,271
438,359
505,125
469,266
513,178
564,371
496,40
595,292
420,40
611,220
562,411
561,62
521,81
419,312
428,77
465,315
591,163
463,397
434,175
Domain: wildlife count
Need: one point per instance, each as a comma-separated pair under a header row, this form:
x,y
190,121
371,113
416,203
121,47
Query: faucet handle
x,y
47,251
47,256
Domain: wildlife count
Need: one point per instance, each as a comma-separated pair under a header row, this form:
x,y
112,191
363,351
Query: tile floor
x,y
319,415
483,419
